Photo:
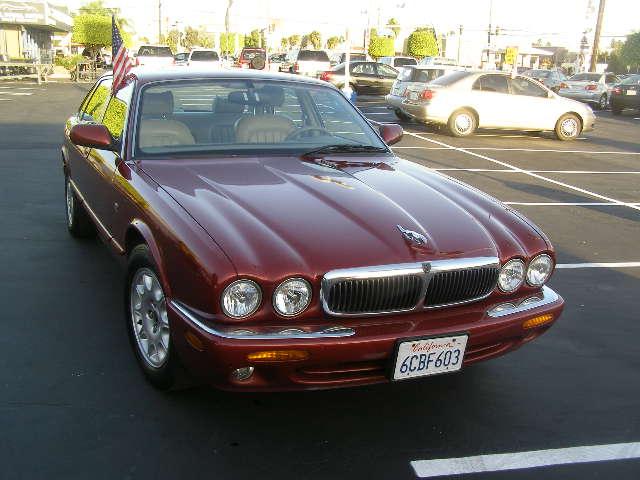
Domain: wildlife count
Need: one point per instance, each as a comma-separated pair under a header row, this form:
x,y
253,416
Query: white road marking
x,y
573,172
542,150
600,265
520,460
15,94
531,174
564,204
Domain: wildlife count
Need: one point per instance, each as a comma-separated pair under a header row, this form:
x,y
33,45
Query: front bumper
x,y
356,351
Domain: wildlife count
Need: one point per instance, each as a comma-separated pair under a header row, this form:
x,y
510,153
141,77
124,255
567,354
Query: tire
x,y
602,102
568,127
462,123
147,323
78,222
401,115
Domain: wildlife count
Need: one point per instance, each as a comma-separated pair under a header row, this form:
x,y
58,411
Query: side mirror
x,y
391,133
91,135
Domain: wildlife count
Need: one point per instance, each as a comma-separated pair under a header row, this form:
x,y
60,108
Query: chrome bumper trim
x,y
242,333
546,297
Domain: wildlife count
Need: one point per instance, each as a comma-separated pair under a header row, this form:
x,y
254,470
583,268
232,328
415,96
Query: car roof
x,y
152,74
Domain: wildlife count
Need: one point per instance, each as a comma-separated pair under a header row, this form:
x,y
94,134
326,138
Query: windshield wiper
x,y
345,148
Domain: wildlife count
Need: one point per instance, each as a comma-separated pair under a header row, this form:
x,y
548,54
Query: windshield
x,y
537,73
150,51
401,62
313,56
240,116
586,77
632,80
205,56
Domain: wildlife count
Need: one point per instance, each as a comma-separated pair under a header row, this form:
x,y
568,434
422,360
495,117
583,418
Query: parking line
x,y
564,204
600,265
534,175
574,172
542,150
520,460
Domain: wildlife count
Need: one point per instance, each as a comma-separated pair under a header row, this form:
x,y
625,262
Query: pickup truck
x,y
154,55
311,63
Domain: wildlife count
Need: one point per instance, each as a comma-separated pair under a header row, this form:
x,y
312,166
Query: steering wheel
x,y
307,132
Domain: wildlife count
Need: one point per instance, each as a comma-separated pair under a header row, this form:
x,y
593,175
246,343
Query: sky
x,y
560,22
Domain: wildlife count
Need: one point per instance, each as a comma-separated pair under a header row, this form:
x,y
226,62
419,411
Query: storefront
x,y
27,28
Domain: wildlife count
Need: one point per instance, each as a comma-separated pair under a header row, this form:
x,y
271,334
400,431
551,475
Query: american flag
x,y
121,63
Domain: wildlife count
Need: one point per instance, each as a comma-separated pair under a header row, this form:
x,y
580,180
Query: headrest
x,y
223,105
267,95
160,103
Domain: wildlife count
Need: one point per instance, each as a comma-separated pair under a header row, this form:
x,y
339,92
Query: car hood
x,y
284,216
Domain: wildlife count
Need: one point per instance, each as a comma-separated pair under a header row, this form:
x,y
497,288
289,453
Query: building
x,y
27,29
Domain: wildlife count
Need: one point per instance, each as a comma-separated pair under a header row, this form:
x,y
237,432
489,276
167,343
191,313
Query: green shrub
x,y
422,43
381,47
69,62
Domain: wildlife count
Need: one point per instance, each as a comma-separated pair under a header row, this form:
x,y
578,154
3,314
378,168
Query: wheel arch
x,y
572,112
471,109
139,233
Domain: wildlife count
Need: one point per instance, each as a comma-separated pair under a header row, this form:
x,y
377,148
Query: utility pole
x,y
596,37
159,21
459,42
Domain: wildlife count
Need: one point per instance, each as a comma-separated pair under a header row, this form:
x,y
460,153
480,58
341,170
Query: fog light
x,y
537,321
242,373
278,356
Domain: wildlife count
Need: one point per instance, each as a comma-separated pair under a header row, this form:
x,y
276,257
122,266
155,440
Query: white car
x,y
154,55
204,57
464,101
309,62
398,62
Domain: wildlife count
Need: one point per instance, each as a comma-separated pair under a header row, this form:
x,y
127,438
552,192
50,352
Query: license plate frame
x,y
393,366
632,92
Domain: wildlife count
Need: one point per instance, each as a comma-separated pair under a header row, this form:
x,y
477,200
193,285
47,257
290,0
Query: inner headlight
x,y
511,276
539,270
292,296
241,298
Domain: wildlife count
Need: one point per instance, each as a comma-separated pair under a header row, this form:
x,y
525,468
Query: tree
x,y
630,51
304,41
294,40
197,38
172,39
315,39
395,30
284,43
227,43
96,7
422,43
94,32
253,39
381,47
333,42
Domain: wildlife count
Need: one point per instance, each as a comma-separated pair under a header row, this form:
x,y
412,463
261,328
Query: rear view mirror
x,y
91,135
391,133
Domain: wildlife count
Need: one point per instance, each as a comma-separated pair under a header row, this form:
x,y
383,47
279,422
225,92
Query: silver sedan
x,y
593,88
464,101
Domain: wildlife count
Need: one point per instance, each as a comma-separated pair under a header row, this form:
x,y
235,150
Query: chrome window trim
x,y
424,269
243,333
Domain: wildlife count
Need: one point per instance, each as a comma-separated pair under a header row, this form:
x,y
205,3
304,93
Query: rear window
x,y
357,57
427,75
589,77
204,55
537,73
401,62
150,51
313,56
251,54
449,78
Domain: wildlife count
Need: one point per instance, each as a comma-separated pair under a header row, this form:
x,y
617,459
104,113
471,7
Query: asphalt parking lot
x,y
73,404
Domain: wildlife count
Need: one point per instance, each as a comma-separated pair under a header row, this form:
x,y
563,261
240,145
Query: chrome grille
x,y
386,294
458,286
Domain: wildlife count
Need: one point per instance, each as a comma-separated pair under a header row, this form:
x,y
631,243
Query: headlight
x,y
241,298
292,296
539,270
511,276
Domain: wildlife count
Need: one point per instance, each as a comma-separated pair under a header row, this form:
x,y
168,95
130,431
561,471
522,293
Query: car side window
x,y
492,83
364,69
291,108
611,79
522,86
116,113
94,108
387,71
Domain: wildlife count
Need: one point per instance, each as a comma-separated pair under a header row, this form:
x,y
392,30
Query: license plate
x,y
413,95
422,357
631,92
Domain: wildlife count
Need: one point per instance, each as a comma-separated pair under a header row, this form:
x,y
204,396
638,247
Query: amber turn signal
x,y
537,321
278,356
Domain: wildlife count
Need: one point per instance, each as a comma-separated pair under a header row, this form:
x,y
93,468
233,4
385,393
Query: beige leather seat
x,y
263,129
157,128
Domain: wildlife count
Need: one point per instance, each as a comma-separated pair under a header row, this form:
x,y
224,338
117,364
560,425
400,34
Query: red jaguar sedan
x,y
273,241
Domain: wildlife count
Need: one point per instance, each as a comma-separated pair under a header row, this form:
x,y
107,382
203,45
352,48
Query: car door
x,y
490,97
386,76
533,108
84,172
365,76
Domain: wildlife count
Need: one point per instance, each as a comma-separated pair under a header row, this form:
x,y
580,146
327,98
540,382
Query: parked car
x,y
253,58
339,58
281,244
414,77
626,94
310,62
464,101
204,58
181,59
552,79
593,88
364,77
397,62
154,56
